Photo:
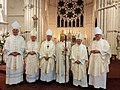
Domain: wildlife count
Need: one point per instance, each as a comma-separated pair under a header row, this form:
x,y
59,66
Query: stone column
x,y
43,24
31,11
118,36
107,20
3,10
112,28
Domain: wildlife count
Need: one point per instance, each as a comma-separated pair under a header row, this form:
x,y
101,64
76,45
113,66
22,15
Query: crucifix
x,y
35,21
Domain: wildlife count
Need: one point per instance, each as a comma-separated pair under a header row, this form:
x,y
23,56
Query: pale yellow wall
x,y
15,12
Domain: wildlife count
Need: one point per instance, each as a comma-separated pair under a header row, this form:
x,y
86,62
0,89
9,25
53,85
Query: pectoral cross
x,y
47,46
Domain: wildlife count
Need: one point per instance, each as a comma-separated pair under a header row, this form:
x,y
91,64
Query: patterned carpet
x,y
113,82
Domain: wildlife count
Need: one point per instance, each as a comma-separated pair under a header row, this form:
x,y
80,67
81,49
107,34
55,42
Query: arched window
x,y
58,21
73,23
62,22
70,13
81,20
65,23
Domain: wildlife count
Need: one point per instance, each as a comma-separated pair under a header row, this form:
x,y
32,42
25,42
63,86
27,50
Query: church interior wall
x,y
43,20
50,21
15,12
88,23
107,19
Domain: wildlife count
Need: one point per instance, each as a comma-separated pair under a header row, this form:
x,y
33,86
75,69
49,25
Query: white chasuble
x,y
99,63
14,64
32,61
79,52
47,67
60,62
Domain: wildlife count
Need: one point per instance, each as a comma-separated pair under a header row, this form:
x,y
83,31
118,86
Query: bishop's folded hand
x,y
78,62
46,57
15,53
31,53
94,51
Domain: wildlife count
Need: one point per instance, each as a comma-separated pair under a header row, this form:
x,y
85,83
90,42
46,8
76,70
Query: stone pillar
x,y
43,24
108,22
98,17
112,28
118,36
31,11
3,10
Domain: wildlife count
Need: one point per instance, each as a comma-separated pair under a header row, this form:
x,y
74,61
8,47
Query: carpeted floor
x,y
113,82
114,69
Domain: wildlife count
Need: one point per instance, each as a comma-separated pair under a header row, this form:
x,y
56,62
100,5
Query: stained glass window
x,y
70,13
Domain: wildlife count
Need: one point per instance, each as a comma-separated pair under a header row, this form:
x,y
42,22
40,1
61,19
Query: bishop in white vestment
x,y
47,64
99,60
14,47
79,59
60,60
32,59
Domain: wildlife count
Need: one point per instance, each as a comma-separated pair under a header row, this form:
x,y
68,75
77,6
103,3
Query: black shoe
x,y
102,89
